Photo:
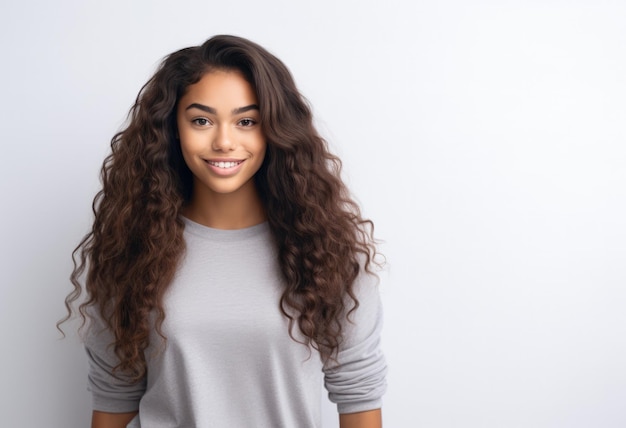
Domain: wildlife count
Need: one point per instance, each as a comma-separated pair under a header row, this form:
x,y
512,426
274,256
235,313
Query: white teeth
x,y
224,164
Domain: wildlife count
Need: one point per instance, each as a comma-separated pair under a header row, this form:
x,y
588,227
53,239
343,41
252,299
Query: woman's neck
x,y
228,211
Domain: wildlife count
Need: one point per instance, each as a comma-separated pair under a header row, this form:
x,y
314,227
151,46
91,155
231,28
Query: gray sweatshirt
x,y
229,360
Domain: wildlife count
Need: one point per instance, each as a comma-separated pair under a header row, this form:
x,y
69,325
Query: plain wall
x,y
487,141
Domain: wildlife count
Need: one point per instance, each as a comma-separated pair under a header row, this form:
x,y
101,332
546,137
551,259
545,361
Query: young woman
x,y
228,272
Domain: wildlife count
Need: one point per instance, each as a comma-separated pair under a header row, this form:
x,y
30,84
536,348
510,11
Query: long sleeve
x,y
356,381
110,392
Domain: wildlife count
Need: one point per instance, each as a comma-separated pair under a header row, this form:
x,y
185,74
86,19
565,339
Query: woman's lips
x,y
224,167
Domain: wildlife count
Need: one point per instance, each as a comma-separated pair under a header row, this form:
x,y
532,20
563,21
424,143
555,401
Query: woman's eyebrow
x,y
211,110
202,107
245,109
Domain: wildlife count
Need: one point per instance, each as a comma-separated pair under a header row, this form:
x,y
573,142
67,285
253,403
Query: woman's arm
x,y
369,419
111,420
355,380
115,396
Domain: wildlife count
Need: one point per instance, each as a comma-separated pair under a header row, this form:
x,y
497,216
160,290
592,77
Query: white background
x,y
487,142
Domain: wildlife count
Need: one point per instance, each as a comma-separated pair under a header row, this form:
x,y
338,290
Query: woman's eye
x,y
201,121
246,122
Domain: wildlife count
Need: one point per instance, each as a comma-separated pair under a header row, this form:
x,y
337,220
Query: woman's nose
x,y
223,140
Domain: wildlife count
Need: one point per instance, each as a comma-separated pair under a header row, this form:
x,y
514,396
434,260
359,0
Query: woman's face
x,y
220,132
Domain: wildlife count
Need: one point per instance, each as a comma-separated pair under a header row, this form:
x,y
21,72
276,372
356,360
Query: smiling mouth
x,y
224,165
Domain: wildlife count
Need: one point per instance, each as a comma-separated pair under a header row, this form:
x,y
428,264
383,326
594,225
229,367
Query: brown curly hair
x,y
132,251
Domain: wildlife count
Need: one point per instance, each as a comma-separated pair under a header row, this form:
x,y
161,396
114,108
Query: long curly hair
x,y
130,256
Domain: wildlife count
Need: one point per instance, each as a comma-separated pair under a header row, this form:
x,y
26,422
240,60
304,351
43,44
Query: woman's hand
x,y
111,420
369,419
